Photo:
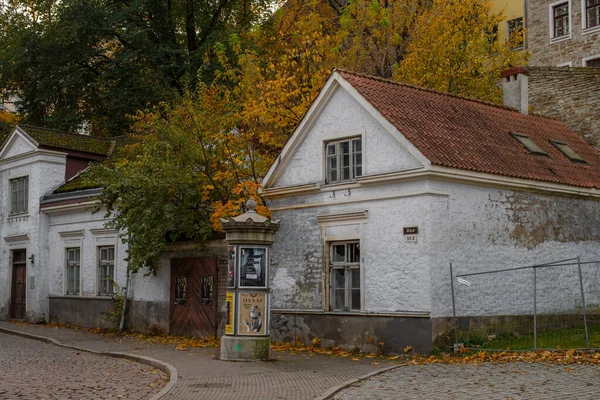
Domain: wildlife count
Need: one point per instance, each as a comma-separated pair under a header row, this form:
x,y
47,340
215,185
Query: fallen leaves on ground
x,y
555,357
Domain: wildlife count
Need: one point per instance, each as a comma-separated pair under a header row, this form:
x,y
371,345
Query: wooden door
x,y
19,283
193,297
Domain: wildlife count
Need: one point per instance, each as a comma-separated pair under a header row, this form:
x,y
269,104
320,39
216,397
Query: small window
x,y
515,32
345,276
567,151
73,271
19,194
592,62
343,160
592,13
560,20
529,144
106,267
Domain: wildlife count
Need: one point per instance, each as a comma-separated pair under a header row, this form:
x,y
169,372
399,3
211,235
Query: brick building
x,y
563,33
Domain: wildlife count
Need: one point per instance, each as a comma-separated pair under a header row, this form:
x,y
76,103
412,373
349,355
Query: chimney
x,y
515,85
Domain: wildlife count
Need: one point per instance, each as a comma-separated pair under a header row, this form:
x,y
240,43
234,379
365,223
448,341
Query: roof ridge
x,y
408,85
66,133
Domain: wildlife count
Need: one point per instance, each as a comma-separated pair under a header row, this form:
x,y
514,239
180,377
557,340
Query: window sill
x,y
17,217
560,38
589,31
78,297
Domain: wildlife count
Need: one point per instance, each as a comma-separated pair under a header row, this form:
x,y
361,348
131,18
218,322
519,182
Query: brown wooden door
x,y
19,283
193,297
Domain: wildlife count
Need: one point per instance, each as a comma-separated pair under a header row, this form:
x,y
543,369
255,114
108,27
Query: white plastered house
x,y
383,185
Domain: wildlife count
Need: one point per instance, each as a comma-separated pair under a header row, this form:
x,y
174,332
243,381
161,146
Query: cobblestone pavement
x,y
484,381
31,370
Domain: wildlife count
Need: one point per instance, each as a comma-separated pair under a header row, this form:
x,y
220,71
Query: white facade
x,y
474,220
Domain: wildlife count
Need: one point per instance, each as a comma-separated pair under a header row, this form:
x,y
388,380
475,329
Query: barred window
x,y
106,266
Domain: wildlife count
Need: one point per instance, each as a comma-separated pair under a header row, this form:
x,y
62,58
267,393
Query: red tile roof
x,y
468,134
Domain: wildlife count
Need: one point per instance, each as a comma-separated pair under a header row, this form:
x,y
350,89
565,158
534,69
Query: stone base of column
x,y
245,348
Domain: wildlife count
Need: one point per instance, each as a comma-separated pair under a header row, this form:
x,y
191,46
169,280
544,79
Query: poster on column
x,y
252,315
230,313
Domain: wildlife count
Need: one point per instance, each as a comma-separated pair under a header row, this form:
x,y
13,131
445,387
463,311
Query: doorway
x,y
193,297
19,285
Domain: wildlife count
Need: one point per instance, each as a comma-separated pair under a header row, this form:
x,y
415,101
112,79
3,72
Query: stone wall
x,y
569,94
581,44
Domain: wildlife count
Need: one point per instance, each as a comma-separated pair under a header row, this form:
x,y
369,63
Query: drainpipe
x,y
126,296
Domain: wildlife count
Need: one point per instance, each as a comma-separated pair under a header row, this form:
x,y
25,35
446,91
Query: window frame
x,y
509,31
105,287
552,21
352,166
77,265
558,144
585,28
25,196
349,286
585,60
527,142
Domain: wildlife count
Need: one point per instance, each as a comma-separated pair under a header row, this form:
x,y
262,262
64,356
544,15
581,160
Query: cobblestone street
x,y
31,369
485,381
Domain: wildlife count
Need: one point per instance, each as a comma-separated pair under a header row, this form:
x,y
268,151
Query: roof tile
x,y
473,135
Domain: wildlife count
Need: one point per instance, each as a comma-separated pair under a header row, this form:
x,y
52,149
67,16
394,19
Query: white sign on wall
x,y
410,234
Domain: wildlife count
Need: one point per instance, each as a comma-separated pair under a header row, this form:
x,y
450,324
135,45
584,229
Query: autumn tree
x,y
454,48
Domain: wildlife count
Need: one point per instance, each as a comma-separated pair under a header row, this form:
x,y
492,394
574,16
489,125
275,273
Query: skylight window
x,y
529,144
567,151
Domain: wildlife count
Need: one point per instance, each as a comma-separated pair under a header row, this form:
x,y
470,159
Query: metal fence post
x,y
453,305
587,339
534,309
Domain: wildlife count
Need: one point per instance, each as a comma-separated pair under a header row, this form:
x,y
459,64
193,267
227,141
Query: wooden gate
x,y
19,283
193,297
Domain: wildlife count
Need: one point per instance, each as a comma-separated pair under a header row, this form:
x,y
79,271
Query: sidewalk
x,y
198,373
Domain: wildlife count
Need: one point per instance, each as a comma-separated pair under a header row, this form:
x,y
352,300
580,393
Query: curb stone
x,y
344,385
163,366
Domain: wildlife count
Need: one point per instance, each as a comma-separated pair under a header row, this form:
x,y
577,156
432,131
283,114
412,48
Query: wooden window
x,y
344,268
73,271
343,160
560,18
592,13
593,63
515,32
106,267
19,194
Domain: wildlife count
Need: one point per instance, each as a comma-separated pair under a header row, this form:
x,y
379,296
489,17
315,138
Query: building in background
x,y
563,33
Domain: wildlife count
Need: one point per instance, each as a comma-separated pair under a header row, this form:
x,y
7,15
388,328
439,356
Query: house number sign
x,y
410,234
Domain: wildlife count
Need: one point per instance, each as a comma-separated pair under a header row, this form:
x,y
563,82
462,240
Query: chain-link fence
x,y
554,305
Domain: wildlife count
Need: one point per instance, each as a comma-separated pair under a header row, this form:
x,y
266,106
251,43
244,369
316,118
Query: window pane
x,y
338,253
346,173
356,145
354,256
339,278
331,149
345,147
354,278
111,253
355,299
339,299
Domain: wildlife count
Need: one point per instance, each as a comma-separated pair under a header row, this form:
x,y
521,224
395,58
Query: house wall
x,y
493,229
383,154
511,9
569,94
45,171
151,302
84,230
546,52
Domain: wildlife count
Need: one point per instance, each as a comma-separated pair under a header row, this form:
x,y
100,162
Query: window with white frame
x,y
591,62
73,271
19,195
591,15
106,269
344,268
559,20
343,160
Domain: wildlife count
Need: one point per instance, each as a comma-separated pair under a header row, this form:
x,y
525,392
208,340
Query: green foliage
x,y
116,308
95,62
